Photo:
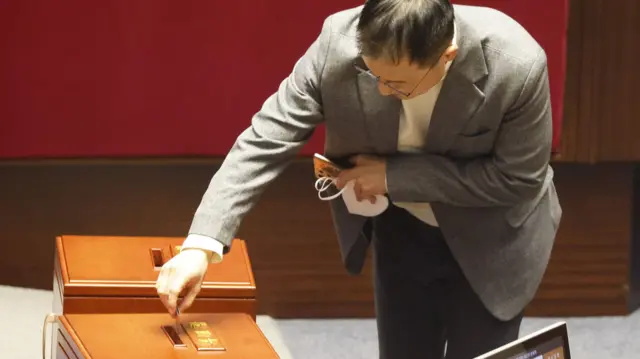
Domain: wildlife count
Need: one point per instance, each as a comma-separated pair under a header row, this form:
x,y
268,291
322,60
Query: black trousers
x,y
423,300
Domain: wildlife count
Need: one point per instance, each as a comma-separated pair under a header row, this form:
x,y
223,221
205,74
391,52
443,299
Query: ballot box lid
x,y
158,336
129,267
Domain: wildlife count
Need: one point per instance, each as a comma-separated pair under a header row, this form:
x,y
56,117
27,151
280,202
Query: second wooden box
x,y
116,274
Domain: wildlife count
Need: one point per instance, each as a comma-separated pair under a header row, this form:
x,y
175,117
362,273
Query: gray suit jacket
x,y
485,169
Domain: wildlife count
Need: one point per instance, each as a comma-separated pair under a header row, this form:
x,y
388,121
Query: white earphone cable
x,y
323,184
49,319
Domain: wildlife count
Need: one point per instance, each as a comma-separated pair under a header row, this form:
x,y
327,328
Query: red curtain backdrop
x,y
172,78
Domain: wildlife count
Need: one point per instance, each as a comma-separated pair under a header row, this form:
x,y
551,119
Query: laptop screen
x,y
551,342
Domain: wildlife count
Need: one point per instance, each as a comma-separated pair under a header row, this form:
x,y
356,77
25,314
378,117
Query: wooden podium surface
x,y
101,274
124,336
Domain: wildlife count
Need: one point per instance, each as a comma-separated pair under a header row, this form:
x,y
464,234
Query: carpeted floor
x,y
23,311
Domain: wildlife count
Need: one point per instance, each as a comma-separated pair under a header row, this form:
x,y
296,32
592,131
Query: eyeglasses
x,y
377,79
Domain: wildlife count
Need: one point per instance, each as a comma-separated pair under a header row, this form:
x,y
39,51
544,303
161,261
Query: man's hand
x,y
369,175
182,272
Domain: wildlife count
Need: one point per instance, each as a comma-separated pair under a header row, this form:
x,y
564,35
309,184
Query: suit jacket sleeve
x,y
278,131
515,171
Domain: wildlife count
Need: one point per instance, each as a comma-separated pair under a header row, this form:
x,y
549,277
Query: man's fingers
x,y
357,189
177,283
168,286
163,279
164,295
190,297
361,160
346,176
358,160
182,274
366,193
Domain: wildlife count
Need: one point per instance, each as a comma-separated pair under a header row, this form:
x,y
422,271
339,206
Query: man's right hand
x,y
184,272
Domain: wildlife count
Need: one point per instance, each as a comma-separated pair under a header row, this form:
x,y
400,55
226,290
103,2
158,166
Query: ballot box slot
x,y
172,333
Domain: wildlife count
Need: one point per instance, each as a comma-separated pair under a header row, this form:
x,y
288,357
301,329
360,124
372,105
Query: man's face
x,y
405,80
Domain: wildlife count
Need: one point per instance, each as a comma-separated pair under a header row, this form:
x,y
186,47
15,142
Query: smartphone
x,y
324,167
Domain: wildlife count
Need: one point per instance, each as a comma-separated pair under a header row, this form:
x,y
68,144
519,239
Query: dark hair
x,y
420,30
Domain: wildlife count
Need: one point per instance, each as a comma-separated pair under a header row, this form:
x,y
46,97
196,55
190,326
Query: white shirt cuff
x,y
207,243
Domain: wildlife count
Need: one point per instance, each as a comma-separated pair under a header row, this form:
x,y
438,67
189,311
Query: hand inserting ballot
x,y
183,273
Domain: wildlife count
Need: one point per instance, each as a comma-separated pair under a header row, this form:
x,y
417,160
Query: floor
x,y
23,311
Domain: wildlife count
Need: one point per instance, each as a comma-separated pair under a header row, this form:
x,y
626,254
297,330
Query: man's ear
x,y
450,53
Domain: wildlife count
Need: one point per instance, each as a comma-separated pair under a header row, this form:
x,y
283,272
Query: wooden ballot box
x,y
102,274
158,336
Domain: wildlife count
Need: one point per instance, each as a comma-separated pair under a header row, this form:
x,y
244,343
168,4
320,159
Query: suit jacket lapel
x,y
381,116
460,95
456,104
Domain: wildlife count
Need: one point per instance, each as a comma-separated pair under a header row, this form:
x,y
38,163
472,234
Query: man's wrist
x,y
208,254
211,246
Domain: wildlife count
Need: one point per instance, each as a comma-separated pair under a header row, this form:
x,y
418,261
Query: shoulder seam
x,y
526,81
520,59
